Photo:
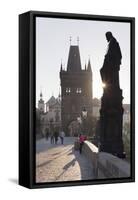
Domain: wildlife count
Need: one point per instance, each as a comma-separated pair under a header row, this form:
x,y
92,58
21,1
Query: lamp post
x,y
84,116
79,122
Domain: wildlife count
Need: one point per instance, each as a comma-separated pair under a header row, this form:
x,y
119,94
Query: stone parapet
x,y
105,165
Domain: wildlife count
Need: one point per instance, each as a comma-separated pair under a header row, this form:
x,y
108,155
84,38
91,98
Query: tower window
x,y
68,90
78,90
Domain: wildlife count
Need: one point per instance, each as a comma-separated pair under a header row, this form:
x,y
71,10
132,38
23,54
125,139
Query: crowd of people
x,y
54,136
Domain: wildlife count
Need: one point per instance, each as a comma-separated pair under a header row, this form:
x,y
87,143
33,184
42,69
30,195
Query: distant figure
x,y
47,135
112,61
82,138
52,138
62,135
56,134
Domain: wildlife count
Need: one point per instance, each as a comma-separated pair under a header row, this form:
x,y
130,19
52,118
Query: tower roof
x,y
74,62
51,101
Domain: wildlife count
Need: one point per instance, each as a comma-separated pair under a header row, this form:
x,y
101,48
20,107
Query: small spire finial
x,y
85,64
41,95
89,65
78,40
61,65
70,39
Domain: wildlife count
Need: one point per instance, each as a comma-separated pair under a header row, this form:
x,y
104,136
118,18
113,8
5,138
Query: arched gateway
x,y
73,129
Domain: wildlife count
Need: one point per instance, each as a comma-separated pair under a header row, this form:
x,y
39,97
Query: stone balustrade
x,y
110,166
91,152
105,165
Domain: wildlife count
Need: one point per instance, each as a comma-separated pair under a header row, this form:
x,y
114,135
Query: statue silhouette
x,y
112,61
111,112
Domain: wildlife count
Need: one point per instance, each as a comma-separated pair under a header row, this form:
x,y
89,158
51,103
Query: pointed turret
x,y
41,104
41,95
61,66
89,66
85,66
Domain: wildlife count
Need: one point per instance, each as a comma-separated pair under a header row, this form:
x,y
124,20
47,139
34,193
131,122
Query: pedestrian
x,y
56,134
62,135
47,135
82,138
52,138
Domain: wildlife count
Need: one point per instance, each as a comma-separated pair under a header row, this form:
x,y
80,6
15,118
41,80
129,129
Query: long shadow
x,y
85,168
66,167
54,158
43,164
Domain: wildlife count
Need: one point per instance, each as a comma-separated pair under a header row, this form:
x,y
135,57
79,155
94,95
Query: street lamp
x,y
84,113
79,122
84,116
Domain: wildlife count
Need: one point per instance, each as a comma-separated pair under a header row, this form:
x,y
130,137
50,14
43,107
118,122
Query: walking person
x,y
47,135
56,134
82,138
62,135
52,138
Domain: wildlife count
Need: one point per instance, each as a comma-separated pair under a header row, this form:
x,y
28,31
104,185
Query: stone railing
x,y
110,166
105,165
91,152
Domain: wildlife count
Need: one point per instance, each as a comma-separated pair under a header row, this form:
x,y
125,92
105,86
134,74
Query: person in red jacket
x,y
82,138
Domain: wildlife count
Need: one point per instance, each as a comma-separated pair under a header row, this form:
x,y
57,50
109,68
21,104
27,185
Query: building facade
x,y
48,115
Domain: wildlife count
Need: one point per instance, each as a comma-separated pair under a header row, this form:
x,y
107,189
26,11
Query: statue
x,y
111,112
111,66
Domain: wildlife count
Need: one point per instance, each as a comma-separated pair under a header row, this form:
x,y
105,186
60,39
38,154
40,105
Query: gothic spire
x,y
61,66
41,95
89,66
85,65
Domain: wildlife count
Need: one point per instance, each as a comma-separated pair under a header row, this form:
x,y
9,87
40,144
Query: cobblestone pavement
x,y
58,162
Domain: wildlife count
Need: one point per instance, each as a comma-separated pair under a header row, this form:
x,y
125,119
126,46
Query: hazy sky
x,y
52,45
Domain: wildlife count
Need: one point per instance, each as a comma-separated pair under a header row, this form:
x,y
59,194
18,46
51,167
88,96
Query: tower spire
x,y
61,66
41,95
85,65
89,65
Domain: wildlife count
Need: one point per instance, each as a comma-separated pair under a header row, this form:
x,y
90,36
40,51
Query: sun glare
x,y
103,85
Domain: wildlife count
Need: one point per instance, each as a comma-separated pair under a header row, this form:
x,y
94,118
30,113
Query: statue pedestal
x,y
111,118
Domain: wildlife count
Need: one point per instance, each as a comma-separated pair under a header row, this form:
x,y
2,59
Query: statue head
x,y
108,36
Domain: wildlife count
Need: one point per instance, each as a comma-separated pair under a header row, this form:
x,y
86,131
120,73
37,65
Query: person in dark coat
x,y
56,134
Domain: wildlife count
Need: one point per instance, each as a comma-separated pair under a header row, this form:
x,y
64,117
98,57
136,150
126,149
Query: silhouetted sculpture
x,y
112,61
111,113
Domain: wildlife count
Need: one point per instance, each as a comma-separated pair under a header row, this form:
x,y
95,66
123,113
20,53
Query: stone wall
x,y
91,152
105,165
